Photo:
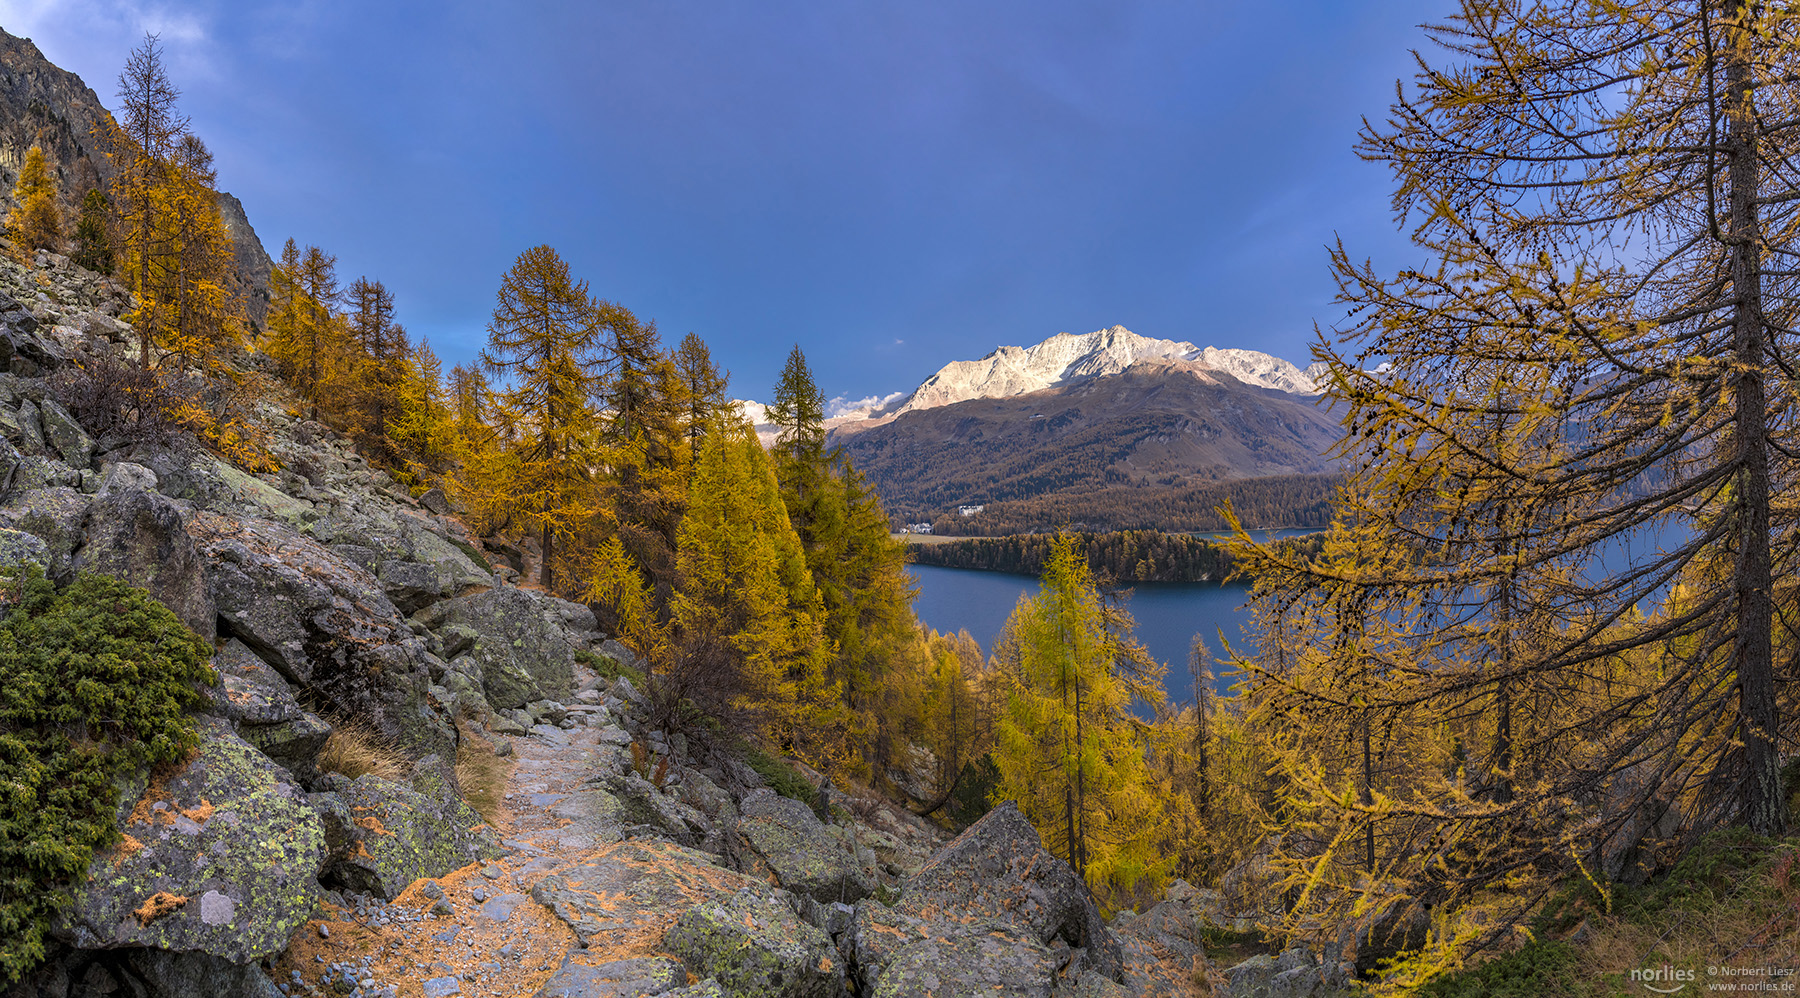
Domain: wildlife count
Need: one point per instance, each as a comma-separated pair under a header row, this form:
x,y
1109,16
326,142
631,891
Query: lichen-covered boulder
x,y
410,584
254,697
218,857
803,854
249,690
525,647
65,435
405,536
643,809
629,978
24,351
384,835
20,548
983,960
21,425
996,873
126,475
324,624
434,500
142,538
756,947
1164,952
460,568
57,516
625,892
214,484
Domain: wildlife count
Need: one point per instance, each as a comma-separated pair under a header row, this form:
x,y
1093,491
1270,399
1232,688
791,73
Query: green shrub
x,y
474,554
781,777
95,684
1542,967
610,668
974,786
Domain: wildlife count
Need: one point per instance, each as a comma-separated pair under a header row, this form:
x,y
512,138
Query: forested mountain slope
x,y
1158,426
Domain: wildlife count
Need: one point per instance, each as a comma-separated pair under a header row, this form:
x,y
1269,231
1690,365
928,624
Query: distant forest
x,y
1274,501
1123,556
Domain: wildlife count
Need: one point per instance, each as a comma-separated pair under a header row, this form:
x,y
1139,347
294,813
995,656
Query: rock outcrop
x,y
384,835
220,857
995,875
804,855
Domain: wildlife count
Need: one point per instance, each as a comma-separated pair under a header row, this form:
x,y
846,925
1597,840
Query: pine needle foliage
x,y
99,679
93,238
37,222
1493,676
1067,746
544,344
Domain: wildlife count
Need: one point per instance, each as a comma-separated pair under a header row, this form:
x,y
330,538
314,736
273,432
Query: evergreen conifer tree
x,y
544,341
1067,745
93,242
37,222
702,388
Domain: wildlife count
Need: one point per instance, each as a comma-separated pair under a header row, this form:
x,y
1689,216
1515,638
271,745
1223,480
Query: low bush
x,y
1544,967
1731,899
115,400
781,777
610,668
99,679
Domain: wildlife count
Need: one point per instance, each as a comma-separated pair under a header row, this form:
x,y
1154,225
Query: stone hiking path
x,y
586,883
476,931
608,885
480,932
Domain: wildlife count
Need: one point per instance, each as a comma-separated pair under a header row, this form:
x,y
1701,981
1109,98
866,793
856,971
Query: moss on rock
x,y
95,649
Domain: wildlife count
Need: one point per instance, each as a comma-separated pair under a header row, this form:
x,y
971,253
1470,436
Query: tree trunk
x,y
1368,799
1764,810
1080,848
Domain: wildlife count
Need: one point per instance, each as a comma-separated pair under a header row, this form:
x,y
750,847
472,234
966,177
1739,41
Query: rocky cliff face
x,y
44,105
254,269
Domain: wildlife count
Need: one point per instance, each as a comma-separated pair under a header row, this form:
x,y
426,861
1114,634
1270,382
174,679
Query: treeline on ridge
x,y
1117,557
1272,501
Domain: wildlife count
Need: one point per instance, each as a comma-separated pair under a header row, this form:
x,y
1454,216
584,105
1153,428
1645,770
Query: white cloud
x,y
843,406
79,34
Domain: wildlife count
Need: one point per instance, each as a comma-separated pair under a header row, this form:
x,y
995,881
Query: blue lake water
x,y
1168,614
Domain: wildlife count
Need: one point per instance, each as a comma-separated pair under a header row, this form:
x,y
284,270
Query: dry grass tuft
x,y
479,772
356,749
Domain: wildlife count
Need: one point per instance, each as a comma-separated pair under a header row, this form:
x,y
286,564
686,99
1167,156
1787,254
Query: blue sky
x,y
892,186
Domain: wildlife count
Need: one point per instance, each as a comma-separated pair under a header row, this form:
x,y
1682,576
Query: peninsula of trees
x,y
1123,557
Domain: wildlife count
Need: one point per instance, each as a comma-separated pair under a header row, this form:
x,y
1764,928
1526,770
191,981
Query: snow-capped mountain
x,y
1104,427
1067,358
1062,360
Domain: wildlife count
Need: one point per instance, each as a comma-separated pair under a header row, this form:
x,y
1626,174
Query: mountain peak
x,y
1067,358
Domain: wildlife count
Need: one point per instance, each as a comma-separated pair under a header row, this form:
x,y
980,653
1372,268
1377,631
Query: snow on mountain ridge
x,y
1062,359
1069,357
